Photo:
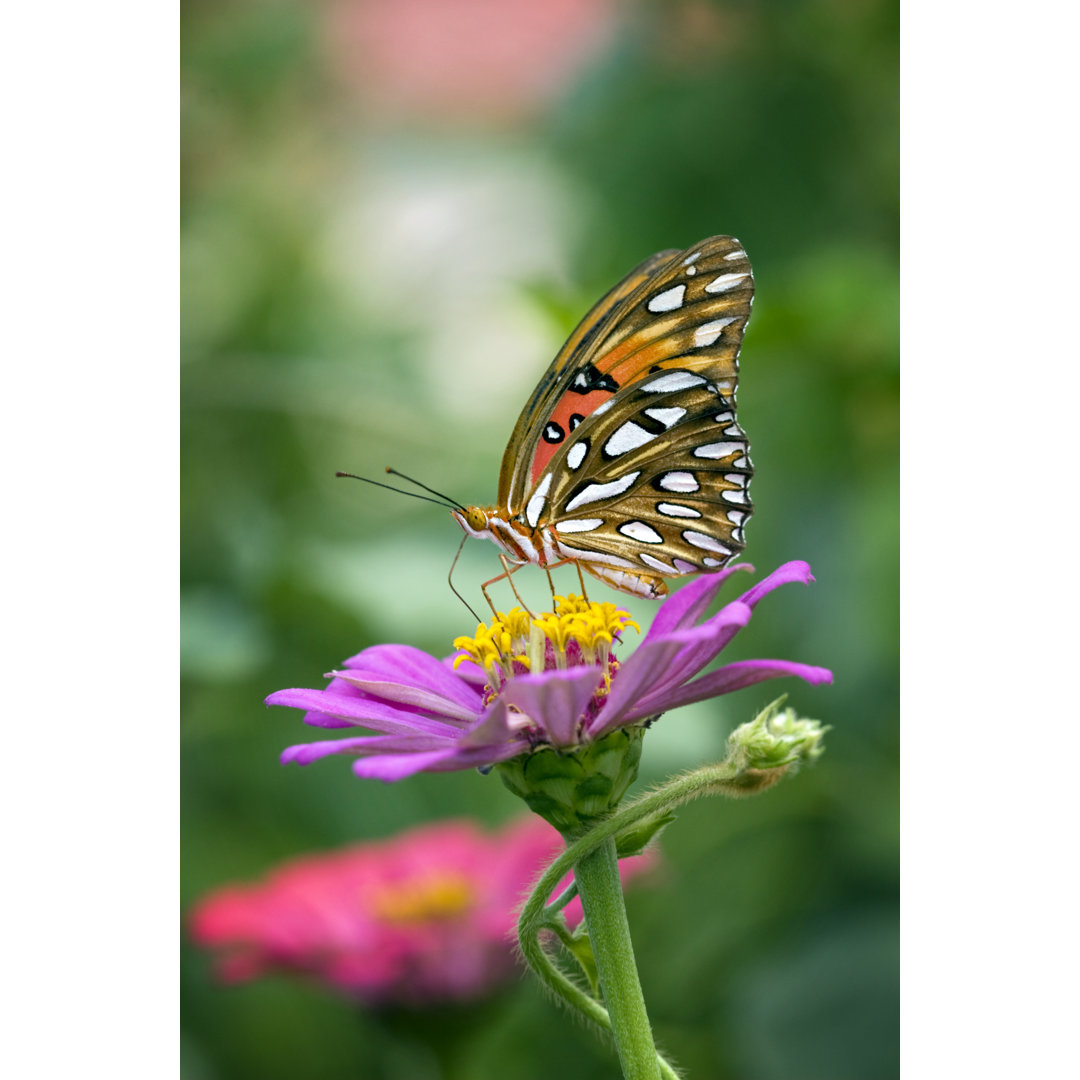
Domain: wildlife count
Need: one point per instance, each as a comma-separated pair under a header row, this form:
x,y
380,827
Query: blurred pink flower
x,y
423,917
477,60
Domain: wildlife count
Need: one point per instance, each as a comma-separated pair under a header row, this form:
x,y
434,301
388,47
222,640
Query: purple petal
x,y
555,700
407,666
726,679
306,753
392,767
703,644
497,727
728,621
345,711
418,697
795,572
644,669
658,665
685,607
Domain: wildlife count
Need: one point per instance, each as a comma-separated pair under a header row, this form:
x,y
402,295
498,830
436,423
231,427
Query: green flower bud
x,y
775,739
575,786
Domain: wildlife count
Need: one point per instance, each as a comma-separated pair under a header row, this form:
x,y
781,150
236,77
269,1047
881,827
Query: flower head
x,y
523,684
426,916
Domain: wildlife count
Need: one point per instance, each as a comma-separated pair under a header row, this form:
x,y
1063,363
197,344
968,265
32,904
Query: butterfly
x,y
627,459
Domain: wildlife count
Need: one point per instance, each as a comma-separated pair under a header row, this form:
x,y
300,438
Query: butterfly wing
x,y
630,447
657,481
573,359
685,309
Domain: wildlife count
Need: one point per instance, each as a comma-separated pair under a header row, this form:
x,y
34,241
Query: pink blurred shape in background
x,y
474,60
423,917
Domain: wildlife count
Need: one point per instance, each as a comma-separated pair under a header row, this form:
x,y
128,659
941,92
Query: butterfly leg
x,y
508,572
563,562
581,578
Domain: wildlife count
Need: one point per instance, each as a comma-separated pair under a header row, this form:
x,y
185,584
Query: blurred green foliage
x,y
362,290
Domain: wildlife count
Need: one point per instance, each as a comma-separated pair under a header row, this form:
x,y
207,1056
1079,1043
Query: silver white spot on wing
x,y
602,491
736,254
737,478
735,516
679,481
628,437
576,454
657,564
691,258
710,561
536,503
685,567
691,271
602,407
669,300
720,384
710,331
638,530
667,417
706,543
724,417
733,496
741,463
569,552
677,510
724,282
718,449
575,525
675,380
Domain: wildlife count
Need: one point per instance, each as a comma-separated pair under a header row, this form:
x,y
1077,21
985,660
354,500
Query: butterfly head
x,y
475,520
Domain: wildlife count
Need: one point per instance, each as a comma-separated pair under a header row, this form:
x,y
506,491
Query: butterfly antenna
x,y
413,494
454,502
450,581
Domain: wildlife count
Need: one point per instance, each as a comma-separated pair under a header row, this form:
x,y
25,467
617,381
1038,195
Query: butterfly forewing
x,y
686,309
569,368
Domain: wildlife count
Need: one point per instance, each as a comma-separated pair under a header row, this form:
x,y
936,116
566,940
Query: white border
x,y
89,201
990,191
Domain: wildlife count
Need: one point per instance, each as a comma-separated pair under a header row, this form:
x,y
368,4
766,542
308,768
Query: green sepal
x,y
581,947
635,839
574,787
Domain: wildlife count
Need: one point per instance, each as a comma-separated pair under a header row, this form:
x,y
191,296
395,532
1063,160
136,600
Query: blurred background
x,y
394,211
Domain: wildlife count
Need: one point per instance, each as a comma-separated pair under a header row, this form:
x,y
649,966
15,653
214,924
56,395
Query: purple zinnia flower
x,y
526,682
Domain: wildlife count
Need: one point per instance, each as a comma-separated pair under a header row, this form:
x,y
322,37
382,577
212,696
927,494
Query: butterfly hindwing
x,y
657,480
686,310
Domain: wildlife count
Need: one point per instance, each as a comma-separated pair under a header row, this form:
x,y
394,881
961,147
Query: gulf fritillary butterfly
x,y
628,459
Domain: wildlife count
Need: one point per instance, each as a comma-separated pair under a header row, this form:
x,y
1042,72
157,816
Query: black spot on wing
x,y
589,379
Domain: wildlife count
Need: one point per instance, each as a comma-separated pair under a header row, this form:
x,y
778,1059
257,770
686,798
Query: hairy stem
x,y
596,849
597,875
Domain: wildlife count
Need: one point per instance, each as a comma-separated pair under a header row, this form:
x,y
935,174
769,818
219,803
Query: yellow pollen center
x,y
436,896
519,638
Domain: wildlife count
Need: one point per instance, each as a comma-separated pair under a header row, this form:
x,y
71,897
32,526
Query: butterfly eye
x,y
476,518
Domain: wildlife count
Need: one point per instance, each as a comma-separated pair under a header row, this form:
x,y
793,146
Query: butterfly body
x,y
628,459
543,547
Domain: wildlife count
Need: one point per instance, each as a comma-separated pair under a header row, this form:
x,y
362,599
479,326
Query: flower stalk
x,y
760,753
597,877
